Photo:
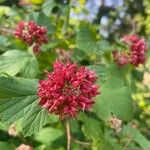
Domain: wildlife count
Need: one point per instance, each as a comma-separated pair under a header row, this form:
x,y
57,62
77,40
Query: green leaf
x,y
116,101
115,97
48,134
5,10
104,144
6,146
4,43
104,46
17,87
137,137
14,62
48,7
87,42
34,120
78,55
15,108
18,101
3,127
11,62
91,127
99,69
31,69
43,20
2,1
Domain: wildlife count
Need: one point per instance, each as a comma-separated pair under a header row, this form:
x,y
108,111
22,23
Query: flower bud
x,y
31,34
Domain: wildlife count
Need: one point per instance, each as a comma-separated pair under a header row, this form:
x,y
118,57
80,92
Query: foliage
x,y
75,35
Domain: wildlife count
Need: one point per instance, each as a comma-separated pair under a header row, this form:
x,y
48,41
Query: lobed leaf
x,y
91,127
34,120
18,101
115,97
15,108
87,42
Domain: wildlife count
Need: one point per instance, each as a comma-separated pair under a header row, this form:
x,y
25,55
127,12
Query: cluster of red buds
x,y
136,53
68,89
32,34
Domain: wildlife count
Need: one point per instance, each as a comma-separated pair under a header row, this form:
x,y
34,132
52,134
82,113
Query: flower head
x,y
137,47
115,123
136,52
31,33
68,89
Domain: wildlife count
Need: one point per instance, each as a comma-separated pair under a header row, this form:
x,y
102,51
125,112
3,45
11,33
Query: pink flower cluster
x,y
136,53
32,34
68,89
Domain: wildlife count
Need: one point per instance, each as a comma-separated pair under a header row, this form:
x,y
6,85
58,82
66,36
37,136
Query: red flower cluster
x,y
68,89
136,53
31,33
137,47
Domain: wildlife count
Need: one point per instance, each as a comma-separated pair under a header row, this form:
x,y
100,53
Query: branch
x,y
5,31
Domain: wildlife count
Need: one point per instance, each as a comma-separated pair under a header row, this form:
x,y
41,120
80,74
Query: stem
x,y
133,149
84,144
68,134
22,139
128,142
30,49
66,23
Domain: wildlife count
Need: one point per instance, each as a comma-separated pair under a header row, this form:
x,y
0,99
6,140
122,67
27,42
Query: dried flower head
x,y
12,130
68,89
115,123
32,34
